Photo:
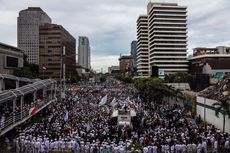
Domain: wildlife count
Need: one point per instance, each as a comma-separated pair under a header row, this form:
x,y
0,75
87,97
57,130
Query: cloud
x,y
111,24
103,62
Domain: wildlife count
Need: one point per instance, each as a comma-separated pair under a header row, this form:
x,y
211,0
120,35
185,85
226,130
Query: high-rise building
x,y
54,41
167,38
84,52
142,46
126,64
29,21
134,52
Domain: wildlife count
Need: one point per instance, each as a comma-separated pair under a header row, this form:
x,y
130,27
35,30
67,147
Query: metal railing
x,y
18,117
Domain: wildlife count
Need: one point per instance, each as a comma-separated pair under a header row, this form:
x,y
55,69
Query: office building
x,y
10,58
167,38
29,21
142,46
84,52
126,64
134,53
52,41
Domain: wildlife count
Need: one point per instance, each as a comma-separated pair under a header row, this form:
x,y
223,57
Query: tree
x,y
179,77
151,89
30,71
223,107
23,72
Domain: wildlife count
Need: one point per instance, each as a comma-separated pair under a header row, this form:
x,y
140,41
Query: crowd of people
x,y
83,123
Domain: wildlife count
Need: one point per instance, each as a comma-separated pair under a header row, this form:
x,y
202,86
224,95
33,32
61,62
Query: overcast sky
x,y
111,24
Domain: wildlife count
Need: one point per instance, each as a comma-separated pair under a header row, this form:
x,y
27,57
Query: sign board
x,y
161,72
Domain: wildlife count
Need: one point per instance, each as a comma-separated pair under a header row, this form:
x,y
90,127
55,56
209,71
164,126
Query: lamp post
x,y
63,71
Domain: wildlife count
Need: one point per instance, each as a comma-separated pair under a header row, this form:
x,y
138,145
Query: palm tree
x,y
223,107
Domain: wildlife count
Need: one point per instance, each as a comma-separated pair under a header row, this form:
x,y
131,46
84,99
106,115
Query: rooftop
x,y
9,47
33,9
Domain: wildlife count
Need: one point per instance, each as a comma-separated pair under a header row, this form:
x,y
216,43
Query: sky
x,y
110,25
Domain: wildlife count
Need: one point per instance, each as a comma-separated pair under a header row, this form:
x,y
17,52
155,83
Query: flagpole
x,y
43,73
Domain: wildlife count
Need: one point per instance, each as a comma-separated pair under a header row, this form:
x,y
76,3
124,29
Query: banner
x,y
103,101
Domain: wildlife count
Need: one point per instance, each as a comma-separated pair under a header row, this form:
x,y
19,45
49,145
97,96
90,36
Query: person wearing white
x,y
215,149
199,148
204,146
145,150
47,145
227,146
189,148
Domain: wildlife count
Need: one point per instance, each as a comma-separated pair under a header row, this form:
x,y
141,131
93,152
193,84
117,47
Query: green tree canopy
x,y
179,77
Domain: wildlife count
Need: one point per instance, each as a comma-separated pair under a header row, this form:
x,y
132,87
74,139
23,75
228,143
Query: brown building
x,y
52,41
126,64
210,60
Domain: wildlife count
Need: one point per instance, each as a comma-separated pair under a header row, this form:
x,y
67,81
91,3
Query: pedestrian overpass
x,y
20,104
16,80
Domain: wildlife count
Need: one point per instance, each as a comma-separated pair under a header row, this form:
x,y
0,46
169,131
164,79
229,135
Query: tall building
x,y
84,52
52,41
29,21
142,46
134,52
167,38
126,64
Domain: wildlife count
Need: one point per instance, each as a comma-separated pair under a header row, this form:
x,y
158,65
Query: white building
x,y
167,38
142,46
84,52
29,21
111,69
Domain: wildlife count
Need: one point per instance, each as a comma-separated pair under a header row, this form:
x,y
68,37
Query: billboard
x,y
161,72
11,62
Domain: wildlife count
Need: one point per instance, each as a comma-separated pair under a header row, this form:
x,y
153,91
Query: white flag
x,y
103,101
113,103
66,116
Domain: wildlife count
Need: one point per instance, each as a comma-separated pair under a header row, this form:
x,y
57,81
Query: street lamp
x,y
62,71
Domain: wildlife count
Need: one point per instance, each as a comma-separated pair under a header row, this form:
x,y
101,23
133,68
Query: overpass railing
x,y
42,94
